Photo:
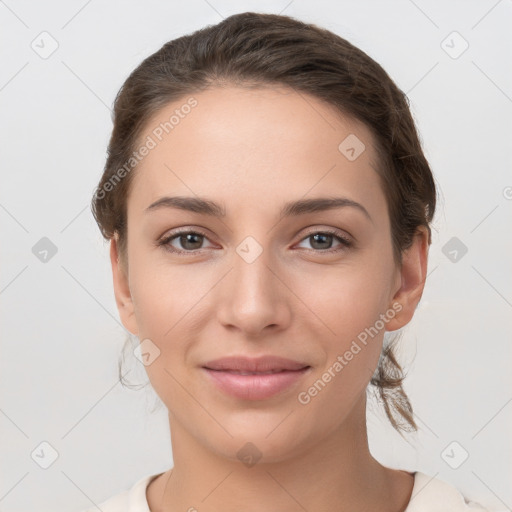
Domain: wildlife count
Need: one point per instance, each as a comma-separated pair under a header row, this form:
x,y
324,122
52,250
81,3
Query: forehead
x,y
240,145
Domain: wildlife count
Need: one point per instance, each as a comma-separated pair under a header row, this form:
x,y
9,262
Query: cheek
x,y
346,325
343,300
169,301
162,295
343,313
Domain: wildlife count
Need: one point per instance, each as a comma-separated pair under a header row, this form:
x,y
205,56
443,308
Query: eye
x,y
322,240
190,241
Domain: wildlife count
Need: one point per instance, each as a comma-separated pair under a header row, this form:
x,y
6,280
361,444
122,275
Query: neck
x,y
337,473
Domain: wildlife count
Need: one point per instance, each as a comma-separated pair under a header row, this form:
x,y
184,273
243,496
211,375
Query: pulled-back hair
x,y
255,50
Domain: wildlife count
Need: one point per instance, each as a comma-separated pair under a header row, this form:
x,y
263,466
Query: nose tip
x,y
252,297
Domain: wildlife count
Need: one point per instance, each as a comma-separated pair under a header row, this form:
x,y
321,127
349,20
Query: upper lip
x,y
260,364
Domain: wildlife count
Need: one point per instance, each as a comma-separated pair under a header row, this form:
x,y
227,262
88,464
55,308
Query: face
x,y
317,285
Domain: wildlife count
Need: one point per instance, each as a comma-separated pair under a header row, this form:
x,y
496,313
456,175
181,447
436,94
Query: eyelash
x,y
345,242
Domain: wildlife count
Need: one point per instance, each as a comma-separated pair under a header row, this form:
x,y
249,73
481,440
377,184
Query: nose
x,y
253,298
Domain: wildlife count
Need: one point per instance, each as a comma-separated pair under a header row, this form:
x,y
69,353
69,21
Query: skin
x,y
252,151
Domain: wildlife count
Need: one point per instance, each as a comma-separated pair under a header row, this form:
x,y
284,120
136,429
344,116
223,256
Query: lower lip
x,y
255,387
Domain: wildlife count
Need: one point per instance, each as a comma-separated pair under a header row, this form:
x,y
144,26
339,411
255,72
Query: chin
x,y
264,438
253,450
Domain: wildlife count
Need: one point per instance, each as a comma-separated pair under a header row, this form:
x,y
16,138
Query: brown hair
x,y
251,50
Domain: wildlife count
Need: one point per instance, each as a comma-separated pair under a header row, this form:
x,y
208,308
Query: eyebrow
x,y
293,208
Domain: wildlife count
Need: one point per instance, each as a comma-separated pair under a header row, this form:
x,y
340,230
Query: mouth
x,y
255,379
262,364
241,372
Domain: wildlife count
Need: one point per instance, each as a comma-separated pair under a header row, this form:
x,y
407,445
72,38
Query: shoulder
x,y
430,494
130,500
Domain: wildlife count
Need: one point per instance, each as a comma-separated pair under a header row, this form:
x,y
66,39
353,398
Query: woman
x,y
268,207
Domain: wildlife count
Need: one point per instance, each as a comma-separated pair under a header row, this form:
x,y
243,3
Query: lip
x,y
252,364
228,375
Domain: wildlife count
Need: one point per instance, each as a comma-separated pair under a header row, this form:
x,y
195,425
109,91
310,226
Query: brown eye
x,y
323,241
187,241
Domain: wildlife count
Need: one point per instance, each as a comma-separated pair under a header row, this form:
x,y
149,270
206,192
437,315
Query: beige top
x,y
428,495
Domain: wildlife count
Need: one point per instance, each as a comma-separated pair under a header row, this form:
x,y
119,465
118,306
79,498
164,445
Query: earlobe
x,y
122,289
413,273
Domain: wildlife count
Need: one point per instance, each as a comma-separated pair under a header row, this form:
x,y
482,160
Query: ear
x,y
122,289
411,280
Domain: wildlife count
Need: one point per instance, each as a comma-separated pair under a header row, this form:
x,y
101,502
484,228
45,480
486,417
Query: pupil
x,y
189,239
321,236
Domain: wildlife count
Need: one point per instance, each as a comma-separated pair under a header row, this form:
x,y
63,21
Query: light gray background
x,y
61,334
